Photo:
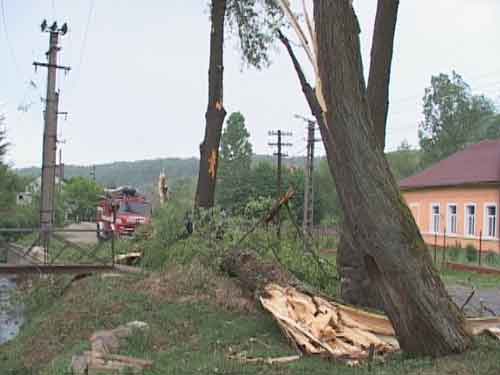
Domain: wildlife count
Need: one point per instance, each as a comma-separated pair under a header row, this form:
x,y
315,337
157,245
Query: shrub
x,y
453,253
471,253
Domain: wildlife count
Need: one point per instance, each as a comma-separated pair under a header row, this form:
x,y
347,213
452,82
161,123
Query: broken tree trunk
x,y
424,317
214,117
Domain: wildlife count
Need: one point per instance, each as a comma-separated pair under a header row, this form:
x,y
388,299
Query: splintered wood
x,y
320,327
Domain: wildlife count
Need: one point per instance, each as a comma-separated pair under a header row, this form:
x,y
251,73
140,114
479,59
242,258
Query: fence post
x,y
444,248
435,247
480,245
113,236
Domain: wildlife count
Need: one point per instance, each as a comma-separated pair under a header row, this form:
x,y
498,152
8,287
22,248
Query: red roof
x,y
479,163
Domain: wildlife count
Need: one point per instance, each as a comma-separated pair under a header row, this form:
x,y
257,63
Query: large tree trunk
x,y
355,284
209,148
426,321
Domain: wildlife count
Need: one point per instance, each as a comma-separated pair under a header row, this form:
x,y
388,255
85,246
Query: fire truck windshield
x,y
136,208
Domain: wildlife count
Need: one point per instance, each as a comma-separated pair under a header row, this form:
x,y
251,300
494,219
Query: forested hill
x,y
143,174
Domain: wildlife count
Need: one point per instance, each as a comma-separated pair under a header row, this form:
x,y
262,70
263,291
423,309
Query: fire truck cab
x,y
121,211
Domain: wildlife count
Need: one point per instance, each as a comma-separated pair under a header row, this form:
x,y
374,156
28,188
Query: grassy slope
x,y
195,324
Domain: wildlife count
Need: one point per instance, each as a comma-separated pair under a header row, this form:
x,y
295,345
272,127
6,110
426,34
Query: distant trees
x,y
405,161
255,34
80,197
235,163
3,142
454,118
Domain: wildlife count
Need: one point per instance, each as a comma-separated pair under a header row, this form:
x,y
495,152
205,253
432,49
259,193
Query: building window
x,y
491,221
470,220
452,218
435,218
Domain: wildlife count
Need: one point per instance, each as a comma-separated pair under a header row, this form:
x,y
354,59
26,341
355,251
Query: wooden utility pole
x,y
49,165
308,220
280,155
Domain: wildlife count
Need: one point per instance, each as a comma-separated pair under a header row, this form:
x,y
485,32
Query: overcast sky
x,y
138,85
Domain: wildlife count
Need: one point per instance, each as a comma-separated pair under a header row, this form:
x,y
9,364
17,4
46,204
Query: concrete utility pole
x,y
280,155
47,211
308,220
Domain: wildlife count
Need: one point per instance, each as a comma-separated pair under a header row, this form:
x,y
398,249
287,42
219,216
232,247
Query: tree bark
x,y
379,223
380,65
215,114
355,284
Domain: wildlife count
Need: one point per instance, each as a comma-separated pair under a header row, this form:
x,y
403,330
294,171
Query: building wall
x,y
421,201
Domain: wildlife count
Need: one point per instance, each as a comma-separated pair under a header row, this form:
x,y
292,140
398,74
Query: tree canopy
x,y
454,117
80,197
254,22
3,143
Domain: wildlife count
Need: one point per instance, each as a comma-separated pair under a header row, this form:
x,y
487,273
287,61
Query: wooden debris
x,y
102,357
268,361
317,326
128,259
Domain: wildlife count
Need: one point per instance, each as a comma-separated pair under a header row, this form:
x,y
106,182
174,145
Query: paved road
x,y
82,237
482,300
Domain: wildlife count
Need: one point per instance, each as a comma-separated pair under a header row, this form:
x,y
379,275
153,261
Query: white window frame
x,y
466,220
448,220
486,223
432,224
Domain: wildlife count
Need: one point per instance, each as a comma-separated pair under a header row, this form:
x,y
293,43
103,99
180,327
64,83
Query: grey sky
x,y
140,90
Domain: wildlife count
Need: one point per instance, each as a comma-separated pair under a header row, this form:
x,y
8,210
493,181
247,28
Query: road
x,y
82,237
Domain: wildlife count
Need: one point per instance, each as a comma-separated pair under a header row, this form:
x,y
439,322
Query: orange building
x,y
456,201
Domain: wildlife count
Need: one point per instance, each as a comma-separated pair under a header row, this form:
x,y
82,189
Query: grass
x,y
469,255
191,332
198,317
469,278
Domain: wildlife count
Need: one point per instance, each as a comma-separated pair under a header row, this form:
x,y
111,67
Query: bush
x,y
453,253
471,253
492,259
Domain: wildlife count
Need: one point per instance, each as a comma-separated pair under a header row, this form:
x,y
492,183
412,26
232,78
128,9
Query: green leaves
x,y
255,23
80,196
453,117
235,161
3,143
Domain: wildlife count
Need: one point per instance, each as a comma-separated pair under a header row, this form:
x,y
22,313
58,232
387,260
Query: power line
x,y
84,43
9,44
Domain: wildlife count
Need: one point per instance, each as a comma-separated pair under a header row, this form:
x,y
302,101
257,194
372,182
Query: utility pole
x,y
92,173
280,155
308,220
47,211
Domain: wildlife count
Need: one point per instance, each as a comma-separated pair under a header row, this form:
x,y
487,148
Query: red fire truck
x,y
121,211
